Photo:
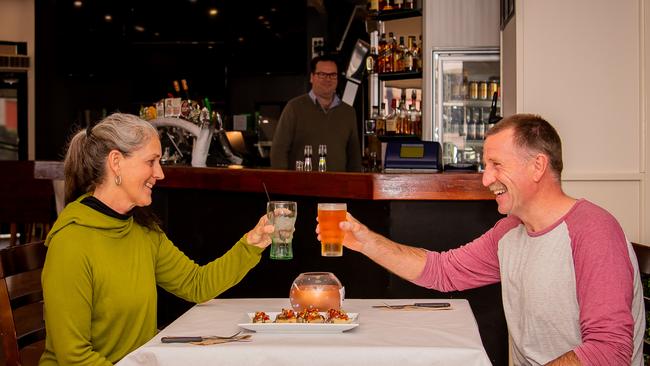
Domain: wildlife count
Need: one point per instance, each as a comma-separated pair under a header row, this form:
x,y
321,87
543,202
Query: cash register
x,y
413,157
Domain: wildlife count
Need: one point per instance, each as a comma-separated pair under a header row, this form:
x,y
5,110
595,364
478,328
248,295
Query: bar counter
x,y
365,186
204,211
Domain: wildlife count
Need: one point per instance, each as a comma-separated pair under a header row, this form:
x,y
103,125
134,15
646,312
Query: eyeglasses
x,y
326,75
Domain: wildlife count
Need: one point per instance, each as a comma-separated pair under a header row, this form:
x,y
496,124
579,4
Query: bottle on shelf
x,y
402,118
409,4
381,121
185,94
471,125
418,48
398,55
177,89
387,5
391,119
398,4
408,56
372,59
381,50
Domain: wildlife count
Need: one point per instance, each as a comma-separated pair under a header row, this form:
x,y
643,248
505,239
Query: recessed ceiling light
x,y
261,17
213,12
240,39
273,10
157,34
108,17
139,28
192,1
77,3
266,22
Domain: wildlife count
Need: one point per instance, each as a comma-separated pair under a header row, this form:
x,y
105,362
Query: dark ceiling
x,y
240,30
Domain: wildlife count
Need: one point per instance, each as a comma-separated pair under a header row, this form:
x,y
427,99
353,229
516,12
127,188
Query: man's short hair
x,y
534,133
317,59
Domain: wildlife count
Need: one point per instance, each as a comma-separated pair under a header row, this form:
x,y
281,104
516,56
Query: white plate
x,y
299,327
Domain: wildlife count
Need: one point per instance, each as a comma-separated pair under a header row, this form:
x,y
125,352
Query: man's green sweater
x,y
303,122
99,284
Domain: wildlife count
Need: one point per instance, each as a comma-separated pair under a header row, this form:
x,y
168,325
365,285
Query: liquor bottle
x,y
371,60
391,119
419,52
409,4
471,125
322,158
415,53
387,5
407,56
381,49
177,89
402,120
398,56
389,54
398,4
381,121
185,94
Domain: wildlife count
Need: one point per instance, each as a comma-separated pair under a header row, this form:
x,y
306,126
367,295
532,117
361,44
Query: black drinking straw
x,y
267,192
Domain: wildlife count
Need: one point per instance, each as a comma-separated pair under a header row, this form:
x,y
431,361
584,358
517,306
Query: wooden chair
x,y
26,204
22,327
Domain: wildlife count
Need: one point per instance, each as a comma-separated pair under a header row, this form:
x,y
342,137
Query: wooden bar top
x,y
365,186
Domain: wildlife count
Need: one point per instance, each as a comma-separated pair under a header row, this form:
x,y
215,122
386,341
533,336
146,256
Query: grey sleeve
x,y
283,139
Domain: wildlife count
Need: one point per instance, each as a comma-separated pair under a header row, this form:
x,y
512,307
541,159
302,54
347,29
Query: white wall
x,y
581,65
17,25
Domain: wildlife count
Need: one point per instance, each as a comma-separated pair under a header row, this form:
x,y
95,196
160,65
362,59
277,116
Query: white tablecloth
x,y
384,337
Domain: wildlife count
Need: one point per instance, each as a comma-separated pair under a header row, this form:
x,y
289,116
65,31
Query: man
x,y
570,282
316,118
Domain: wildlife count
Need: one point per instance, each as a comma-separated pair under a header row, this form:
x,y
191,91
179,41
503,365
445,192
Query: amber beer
x,y
329,216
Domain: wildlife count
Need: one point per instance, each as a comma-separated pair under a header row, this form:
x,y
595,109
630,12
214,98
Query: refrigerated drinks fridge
x,y
464,86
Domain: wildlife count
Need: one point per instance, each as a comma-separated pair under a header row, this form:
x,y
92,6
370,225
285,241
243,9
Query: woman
x,y
106,254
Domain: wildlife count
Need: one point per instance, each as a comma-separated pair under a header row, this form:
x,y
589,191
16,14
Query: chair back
x,y
22,327
26,204
643,257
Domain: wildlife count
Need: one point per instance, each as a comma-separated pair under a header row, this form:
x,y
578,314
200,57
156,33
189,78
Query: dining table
x,y
385,335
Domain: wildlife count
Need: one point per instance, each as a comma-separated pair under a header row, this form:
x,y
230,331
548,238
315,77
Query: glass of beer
x,y
329,216
282,215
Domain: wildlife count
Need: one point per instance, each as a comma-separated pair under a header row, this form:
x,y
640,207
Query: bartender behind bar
x,y
316,118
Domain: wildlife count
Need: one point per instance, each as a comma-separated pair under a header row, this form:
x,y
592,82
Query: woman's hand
x,y
355,234
260,236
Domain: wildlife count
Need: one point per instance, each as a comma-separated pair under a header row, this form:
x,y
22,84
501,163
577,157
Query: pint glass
x,y
282,215
329,216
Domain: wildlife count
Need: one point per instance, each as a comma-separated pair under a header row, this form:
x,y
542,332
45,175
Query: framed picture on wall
x,y
507,11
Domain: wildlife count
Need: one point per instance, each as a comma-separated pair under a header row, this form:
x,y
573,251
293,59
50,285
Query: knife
x,y
182,339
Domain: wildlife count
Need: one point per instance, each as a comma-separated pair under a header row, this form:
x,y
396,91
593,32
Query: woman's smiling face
x,y
139,172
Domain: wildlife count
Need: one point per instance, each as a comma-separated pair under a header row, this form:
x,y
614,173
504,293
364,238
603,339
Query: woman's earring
x,y
118,180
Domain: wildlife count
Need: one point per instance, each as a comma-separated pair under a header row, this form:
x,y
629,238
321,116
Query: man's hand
x,y
355,234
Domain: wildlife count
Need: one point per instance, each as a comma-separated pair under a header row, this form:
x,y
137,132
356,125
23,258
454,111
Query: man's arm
x,y
405,261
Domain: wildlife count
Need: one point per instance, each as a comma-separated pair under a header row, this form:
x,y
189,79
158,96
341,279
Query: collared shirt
x,y
336,101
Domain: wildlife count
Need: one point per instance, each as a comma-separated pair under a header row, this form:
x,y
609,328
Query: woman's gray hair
x,y
85,160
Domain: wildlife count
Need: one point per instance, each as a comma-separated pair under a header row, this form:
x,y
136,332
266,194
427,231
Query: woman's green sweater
x,y
99,284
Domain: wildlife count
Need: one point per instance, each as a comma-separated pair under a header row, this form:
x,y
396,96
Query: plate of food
x,y
306,321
